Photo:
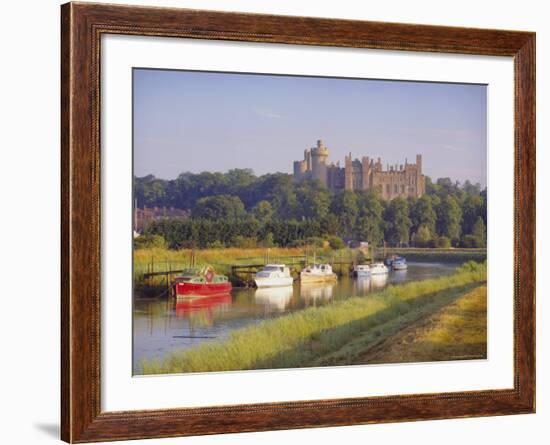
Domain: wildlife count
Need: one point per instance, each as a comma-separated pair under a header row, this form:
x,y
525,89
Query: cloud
x,y
264,112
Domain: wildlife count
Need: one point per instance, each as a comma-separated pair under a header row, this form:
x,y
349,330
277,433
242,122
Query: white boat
x,y
317,273
273,275
378,269
361,270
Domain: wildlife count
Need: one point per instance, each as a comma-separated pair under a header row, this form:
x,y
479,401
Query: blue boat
x,y
399,263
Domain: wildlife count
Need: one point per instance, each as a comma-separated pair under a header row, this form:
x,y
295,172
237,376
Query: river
x,y
162,326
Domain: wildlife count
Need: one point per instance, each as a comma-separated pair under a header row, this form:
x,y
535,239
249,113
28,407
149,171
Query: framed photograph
x,y
275,222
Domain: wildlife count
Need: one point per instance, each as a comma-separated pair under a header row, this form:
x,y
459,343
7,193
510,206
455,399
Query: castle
x,y
396,181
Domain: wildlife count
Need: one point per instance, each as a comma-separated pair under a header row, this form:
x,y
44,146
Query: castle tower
x,y
419,177
319,156
365,172
348,173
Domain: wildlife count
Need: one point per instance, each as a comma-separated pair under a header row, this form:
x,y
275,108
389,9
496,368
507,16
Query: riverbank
x,y
458,331
304,337
459,255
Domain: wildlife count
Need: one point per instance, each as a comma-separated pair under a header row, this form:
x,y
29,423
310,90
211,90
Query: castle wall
x,y
396,181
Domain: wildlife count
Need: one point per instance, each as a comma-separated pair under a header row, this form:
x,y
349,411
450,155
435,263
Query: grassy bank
x,y
301,338
457,332
457,255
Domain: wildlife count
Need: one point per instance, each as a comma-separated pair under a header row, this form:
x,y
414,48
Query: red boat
x,y
195,283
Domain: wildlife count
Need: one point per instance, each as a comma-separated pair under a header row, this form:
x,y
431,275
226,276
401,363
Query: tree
x,y
314,200
422,237
398,221
369,225
479,232
472,208
449,217
219,207
344,206
472,189
329,224
282,196
263,211
423,214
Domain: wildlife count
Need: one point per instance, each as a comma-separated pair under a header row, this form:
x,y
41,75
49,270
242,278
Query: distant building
x,y
396,181
146,215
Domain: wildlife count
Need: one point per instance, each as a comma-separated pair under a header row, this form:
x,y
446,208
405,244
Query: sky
x,y
188,121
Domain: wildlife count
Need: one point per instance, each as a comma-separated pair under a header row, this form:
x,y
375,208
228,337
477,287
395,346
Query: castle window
x,y
402,189
388,189
395,190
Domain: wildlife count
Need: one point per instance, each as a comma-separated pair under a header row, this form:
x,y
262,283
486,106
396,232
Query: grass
x,y
300,338
223,257
458,331
458,255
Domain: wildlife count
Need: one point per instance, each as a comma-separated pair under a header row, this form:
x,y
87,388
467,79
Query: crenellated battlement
x,y
399,180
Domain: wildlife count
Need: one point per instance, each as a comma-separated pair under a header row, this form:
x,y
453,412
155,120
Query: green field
x,y
318,336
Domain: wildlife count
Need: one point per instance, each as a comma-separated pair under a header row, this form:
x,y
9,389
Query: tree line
x,y
240,209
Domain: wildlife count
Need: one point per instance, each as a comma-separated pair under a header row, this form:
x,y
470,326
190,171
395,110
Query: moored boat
x,y
274,275
361,270
196,283
317,273
378,269
399,263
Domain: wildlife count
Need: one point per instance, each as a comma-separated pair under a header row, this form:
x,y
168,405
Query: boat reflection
x,y
378,281
365,285
192,304
314,293
274,298
399,276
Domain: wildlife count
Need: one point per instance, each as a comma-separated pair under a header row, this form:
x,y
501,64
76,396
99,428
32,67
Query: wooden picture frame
x,y
82,26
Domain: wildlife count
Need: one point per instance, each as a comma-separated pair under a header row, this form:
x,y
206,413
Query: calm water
x,y
164,326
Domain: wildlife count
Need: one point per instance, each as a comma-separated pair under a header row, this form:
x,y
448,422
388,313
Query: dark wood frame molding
x,y
82,25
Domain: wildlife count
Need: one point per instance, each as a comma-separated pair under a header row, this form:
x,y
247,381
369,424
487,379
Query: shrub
x,y
244,242
422,237
443,242
473,267
471,241
335,242
149,241
297,243
315,241
267,241
216,245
